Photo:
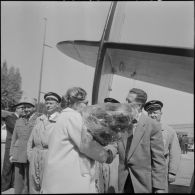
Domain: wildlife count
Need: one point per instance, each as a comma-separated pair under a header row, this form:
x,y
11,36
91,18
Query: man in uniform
x,y
18,150
171,143
37,145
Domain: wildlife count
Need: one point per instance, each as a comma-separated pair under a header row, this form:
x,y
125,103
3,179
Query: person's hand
x,y
11,159
157,191
171,178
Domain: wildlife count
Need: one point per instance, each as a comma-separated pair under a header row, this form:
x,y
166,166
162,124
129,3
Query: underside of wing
x,y
166,66
82,51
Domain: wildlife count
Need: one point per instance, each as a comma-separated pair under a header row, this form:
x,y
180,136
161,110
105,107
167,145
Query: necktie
x,y
129,140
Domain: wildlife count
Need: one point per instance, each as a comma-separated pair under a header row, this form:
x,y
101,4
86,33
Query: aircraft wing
x,y
82,51
170,67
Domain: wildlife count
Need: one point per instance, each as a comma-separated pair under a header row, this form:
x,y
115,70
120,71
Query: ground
x,y
184,175
183,179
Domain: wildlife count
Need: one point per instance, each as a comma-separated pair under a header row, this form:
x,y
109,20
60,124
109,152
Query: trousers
x,y
128,188
21,180
7,174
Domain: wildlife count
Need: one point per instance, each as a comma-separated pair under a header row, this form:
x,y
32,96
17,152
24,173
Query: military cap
x,y
111,100
52,96
153,105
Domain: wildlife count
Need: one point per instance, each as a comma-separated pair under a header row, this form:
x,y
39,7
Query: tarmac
x,y
186,170
183,178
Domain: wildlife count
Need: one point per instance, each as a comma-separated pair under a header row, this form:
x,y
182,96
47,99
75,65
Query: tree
x,y
11,82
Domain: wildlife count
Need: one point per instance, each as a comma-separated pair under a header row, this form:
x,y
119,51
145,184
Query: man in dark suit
x,y
142,167
7,176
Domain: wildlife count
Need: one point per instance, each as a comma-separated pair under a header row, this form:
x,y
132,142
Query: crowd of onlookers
x,y
55,152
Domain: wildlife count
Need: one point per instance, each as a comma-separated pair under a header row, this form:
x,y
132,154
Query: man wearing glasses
x,y
7,176
18,150
172,151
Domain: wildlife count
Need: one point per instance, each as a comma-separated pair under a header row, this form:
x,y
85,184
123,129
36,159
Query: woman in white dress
x,y
69,167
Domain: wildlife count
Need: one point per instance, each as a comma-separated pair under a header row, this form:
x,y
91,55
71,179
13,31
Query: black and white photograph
x,y
97,97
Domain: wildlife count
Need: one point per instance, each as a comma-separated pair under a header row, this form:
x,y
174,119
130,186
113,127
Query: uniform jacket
x,y
22,131
172,150
40,133
37,148
145,159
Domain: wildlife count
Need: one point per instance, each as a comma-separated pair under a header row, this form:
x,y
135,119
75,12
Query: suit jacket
x,y
21,134
172,148
145,159
10,121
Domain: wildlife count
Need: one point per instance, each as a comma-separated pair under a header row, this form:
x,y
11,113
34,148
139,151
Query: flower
x,y
105,121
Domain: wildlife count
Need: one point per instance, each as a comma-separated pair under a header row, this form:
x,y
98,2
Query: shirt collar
x,y
139,116
52,116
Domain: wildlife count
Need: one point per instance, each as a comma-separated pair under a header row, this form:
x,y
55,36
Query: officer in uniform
x,y
37,145
171,142
18,149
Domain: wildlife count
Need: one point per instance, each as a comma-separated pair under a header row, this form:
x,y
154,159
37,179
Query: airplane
x,y
144,62
163,65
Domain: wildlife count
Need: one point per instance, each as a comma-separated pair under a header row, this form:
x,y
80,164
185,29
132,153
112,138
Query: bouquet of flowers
x,y
105,121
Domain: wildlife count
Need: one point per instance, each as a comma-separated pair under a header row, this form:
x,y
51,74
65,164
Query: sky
x,y
22,29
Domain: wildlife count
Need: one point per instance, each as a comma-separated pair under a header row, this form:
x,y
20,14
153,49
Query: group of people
x,y
54,152
27,143
183,141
